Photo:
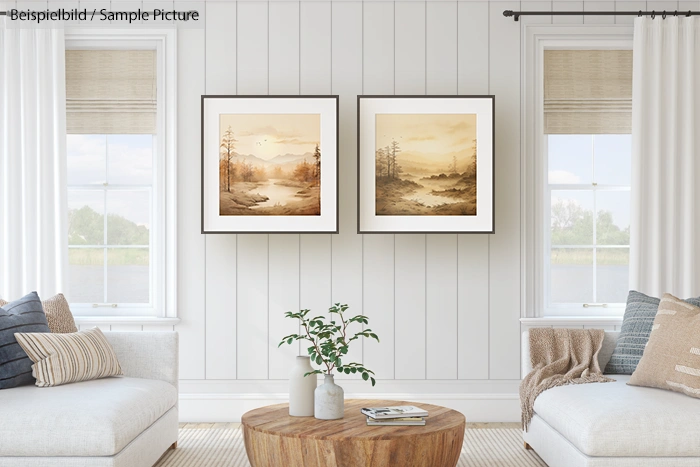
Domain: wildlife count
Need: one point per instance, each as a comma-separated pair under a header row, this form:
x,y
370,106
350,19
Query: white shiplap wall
x,y
446,306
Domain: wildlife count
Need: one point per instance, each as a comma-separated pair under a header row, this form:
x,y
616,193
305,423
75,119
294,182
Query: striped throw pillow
x,y
69,358
23,315
671,359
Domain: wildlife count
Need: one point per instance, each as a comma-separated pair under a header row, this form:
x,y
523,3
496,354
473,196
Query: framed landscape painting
x,y
269,164
425,164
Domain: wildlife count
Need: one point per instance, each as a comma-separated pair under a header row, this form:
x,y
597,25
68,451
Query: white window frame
x,y
534,209
163,246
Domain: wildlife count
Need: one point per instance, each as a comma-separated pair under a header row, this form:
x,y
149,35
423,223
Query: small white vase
x,y
301,389
329,400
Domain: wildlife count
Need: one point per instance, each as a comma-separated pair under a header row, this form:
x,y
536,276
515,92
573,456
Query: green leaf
x,y
337,361
365,376
319,360
373,381
354,370
347,370
290,340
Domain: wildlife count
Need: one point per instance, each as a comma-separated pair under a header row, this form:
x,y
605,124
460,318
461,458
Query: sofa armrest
x,y
149,355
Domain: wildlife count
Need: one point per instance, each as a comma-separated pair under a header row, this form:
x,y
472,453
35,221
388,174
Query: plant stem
x,y
318,351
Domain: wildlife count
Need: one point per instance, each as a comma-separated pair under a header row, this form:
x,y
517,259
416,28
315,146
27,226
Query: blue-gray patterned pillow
x,y
636,326
23,315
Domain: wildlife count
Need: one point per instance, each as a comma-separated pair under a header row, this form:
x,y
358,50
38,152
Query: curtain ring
x,y
688,15
664,15
640,14
653,14
675,13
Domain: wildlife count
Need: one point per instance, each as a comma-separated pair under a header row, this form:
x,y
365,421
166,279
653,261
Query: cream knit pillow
x,y
671,359
68,358
57,312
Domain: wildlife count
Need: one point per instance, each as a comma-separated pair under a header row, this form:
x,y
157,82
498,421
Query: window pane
x,y
613,219
128,275
613,159
572,217
612,274
571,275
570,159
86,275
129,217
86,217
130,160
86,159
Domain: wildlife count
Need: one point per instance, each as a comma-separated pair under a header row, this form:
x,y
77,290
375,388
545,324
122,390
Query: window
x,y
110,219
120,173
576,166
588,191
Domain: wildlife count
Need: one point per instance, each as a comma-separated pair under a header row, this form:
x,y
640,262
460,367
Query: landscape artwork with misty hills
x,y
425,165
270,164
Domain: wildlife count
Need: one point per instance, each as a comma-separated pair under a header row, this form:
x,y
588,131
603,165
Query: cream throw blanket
x,y
560,357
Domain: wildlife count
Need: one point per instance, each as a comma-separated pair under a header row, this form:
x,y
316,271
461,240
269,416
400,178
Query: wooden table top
x,y
275,419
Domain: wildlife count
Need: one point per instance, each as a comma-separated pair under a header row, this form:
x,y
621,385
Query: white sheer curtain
x,y
665,223
33,205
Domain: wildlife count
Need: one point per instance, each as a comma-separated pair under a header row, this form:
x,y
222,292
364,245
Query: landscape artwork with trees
x,y
270,164
425,165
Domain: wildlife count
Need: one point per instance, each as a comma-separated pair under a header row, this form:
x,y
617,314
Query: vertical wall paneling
x,y
441,250
284,47
253,307
441,312
252,31
441,45
628,6
346,42
190,241
473,250
315,40
409,249
220,249
567,6
316,269
504,270
283,296
410,60
378,250
253,249
284,274
598,6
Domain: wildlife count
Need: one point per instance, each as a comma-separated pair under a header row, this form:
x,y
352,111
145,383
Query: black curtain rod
x,y
517,14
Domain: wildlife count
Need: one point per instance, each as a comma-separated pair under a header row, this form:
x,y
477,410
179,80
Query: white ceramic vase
x,y
301,389
329,400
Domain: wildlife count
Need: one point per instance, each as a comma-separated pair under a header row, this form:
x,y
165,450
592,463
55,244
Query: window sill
x,y
572,321
137,320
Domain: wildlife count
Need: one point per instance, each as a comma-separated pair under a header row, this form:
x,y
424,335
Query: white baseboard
x,y
229,407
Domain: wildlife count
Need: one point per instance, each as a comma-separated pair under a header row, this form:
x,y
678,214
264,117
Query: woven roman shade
x,y
587,91
111,91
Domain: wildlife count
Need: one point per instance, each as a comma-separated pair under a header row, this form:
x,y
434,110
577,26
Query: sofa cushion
x,y
91,418
615,420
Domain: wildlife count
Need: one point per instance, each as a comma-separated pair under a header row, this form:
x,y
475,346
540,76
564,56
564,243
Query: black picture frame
x,y
492,178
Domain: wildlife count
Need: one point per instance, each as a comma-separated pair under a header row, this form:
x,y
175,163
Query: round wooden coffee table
x,y
273,438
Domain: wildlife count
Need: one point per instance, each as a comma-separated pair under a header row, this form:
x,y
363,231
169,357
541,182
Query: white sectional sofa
x,y
613,424
127,421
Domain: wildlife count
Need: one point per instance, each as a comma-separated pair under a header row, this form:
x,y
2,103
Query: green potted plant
x,y
330,340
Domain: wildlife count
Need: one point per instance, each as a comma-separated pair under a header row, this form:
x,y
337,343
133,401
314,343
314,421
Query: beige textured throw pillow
x,y
68,358
57,312
671,359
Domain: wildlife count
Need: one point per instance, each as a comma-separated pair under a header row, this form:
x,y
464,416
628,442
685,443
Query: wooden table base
x,y
272,439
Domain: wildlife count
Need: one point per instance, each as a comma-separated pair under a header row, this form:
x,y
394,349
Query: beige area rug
x,y
222,446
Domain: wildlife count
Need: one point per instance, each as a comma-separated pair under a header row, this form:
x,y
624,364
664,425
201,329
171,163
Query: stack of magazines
x,y
403,415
